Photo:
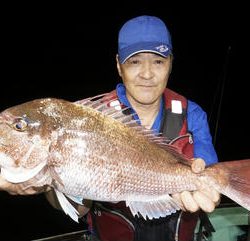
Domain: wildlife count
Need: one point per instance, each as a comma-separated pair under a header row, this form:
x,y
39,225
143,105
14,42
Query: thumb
x,y
198,165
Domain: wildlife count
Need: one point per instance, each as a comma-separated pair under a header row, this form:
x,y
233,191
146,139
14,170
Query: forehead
x,y
148,55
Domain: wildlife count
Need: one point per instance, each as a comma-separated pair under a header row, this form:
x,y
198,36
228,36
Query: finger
x,y
198,165
205,203
3,183
29,191
17,189
13,193
177,198
211,193
188,201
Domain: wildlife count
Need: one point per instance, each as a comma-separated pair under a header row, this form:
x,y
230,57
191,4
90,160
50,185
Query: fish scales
x,y
90,151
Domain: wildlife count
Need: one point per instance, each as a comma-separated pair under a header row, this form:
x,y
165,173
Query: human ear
x,y
118,65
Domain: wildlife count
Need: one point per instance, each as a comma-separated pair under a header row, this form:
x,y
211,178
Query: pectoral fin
x,y
67,206
78,200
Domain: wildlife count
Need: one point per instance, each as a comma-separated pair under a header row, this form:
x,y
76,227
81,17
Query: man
x,y
144,63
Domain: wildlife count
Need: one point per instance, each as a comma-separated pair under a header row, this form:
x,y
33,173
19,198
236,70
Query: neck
x,y
147,113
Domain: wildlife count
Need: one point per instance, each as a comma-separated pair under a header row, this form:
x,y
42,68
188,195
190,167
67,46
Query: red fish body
x,y
89,151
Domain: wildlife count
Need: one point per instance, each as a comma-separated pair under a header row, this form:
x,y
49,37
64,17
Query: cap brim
x,y
157,48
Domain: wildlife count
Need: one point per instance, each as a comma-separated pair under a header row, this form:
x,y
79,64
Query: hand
x,y
205,198
20,188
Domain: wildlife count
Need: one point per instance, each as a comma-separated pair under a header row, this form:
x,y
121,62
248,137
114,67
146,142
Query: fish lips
x,y
21,174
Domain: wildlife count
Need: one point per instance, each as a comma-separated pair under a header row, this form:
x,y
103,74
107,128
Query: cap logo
x,y
162,48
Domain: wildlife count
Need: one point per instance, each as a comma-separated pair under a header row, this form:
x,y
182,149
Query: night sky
x,y
59,51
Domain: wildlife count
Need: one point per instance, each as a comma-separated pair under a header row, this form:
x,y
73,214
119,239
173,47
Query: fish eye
x,y
20,124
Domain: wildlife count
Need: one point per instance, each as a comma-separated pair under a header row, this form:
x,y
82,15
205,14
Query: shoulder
x,y
170,95
173,94
196,116
194,108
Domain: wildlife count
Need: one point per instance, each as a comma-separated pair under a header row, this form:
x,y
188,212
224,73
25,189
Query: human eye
x,y
158,62
133,61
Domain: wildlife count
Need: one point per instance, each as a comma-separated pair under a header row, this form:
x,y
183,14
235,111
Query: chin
x,y
146,101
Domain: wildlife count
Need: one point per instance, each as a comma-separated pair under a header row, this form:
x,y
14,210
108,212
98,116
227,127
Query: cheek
x,y
128,80
163,84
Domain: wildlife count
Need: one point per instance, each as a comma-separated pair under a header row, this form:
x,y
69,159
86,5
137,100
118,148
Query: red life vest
x,y
114,222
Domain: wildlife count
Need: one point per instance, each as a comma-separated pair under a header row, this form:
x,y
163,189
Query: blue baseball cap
x,y
143,34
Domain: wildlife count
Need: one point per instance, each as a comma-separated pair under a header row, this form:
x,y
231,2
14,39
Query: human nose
x,y
146,71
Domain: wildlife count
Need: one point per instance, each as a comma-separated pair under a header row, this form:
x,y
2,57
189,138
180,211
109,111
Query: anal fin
x,y
154,208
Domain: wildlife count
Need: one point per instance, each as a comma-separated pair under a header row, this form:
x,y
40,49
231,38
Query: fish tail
x,y
238,177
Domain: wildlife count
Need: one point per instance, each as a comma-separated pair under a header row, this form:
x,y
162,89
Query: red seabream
x,y
87,150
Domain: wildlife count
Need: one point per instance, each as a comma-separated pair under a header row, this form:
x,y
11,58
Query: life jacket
x,y
114,221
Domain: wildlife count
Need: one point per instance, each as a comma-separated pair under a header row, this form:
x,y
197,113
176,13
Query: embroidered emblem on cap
x,y
162,48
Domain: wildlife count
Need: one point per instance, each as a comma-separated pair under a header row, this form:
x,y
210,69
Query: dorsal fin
x,y
111,106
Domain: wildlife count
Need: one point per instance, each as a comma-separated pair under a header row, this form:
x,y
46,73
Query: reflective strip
x,y
116,104
176,238
176,106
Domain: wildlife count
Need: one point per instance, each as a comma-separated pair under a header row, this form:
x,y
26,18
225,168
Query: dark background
x,y
68,51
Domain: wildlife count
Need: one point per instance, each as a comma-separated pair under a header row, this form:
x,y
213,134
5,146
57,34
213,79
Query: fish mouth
x,y
21,174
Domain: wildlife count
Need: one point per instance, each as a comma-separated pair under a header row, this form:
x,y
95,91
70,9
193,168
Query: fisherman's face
x,y
145,76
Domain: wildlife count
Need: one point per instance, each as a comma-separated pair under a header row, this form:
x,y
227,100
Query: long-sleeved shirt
x,y
197,125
